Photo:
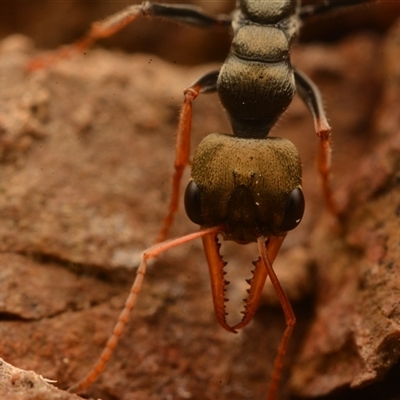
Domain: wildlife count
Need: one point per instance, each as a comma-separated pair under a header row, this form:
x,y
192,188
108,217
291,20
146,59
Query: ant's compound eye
x,y
294,210
193,203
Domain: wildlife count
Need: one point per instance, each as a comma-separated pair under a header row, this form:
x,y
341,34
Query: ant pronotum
x,y
245,187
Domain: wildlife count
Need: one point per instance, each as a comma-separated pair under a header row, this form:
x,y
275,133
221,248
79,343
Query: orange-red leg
x,y
185,14
324,163
98,30
205,84
311,95
265,248
182,153
130,302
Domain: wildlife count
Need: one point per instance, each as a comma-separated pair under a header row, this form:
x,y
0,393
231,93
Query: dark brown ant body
x,y
246,186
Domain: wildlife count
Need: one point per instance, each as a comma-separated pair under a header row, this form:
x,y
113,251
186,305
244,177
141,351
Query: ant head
x,y
250,186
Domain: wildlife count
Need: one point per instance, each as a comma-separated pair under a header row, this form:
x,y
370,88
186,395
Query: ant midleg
x,y
130,302
185,14
328,6
311,96
205,84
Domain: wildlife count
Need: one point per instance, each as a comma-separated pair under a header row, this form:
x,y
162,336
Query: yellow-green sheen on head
x,y
245,183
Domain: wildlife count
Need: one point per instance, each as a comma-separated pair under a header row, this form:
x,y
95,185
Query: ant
x,y
244,186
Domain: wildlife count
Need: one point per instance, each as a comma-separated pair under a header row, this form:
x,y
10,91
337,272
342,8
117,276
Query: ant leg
x,y
272,246
189,15
206,84
130,302
311,96
327,6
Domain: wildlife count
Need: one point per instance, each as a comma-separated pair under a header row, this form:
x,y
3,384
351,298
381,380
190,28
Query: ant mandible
x,y
245,187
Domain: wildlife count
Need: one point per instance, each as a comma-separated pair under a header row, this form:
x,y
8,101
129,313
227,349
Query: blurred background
x,y
51,23
362,98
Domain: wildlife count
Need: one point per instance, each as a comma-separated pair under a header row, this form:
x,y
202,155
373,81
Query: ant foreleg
x,y
130,302
326,6
206,84
272,246
189,15
311,96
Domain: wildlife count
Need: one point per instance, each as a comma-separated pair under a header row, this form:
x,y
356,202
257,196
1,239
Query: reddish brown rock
x,y
86,152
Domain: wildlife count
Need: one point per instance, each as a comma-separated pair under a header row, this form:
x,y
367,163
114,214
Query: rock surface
x,y
86,153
